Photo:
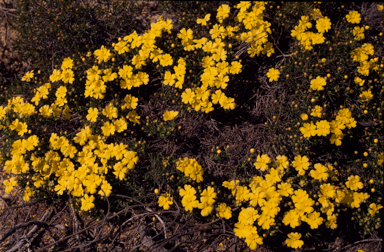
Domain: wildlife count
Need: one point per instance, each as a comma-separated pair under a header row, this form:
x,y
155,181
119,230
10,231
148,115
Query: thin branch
x,y
34,222
358,242
33,230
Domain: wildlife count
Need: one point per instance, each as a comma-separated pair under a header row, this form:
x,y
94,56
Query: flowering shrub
x,y
84,134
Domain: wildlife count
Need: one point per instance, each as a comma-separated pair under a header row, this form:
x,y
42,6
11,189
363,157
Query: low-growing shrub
x,y
91,129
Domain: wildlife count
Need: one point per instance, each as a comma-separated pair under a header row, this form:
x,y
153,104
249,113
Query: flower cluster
x,y
361,55
265,196
100,95
189,198
307,38
342,121
190,168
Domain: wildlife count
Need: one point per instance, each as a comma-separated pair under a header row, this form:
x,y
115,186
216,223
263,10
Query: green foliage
x,y
52,30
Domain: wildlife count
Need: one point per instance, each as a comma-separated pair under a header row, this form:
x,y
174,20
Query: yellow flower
x,y
120,125
359,81
165,201
189,202
188,96
292,218
133,117
300,163
67,64
27,193
223,12
323,24
125,72
130,102
203,21
304,117
318,83
320,172
20,127
308,129
170,115
353,17
87,202
169,78
92,114
10,184
314,220
323,128
28,76
185,35
273,74
55,76
67,76
380,160
373,208
358,33
45,111
110,111
108,129
354,183
294,241
316,111
282,162
103,54
166,60
109,75
235,67
224,211
105,188
262,162
366,96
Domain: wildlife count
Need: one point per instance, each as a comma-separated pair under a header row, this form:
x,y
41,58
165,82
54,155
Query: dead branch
x,y
30,233
358,242
34,222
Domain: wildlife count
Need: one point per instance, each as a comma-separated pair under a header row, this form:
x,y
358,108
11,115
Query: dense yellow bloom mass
x,y
190,168
80,165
